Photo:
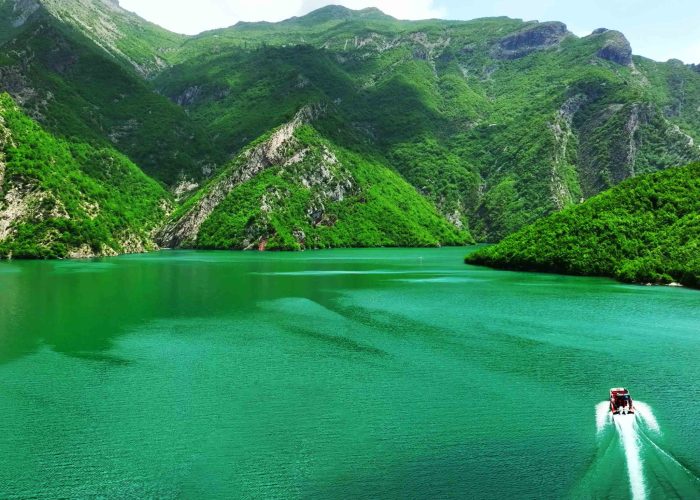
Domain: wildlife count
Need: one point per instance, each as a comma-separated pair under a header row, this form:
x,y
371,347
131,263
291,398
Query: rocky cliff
x,y
60,199
293,189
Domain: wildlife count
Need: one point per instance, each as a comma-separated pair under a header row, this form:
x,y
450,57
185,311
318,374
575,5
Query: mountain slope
x,y
142,45
57,72
644,230
292,189
497,121
64,199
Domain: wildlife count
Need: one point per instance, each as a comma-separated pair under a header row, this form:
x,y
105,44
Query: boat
x,y
620,401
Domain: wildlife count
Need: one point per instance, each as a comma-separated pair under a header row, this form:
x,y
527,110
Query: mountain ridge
x,y
497,122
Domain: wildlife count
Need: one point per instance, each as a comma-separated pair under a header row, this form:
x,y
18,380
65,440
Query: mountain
x,y
68,199
492,123
646,230
293,189
80,68
497,121
142,45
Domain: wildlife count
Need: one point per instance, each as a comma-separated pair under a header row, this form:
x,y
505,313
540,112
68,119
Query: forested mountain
x,y
496,122
646,230
293,189
68,199
81,68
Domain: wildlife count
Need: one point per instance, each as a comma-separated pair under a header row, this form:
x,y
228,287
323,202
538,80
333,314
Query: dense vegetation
x,y
59,198
316,195
496,122
80,91
646,230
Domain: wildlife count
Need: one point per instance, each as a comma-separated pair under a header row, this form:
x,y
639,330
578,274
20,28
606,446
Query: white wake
x,y
602,416
627,429
644,411
637,434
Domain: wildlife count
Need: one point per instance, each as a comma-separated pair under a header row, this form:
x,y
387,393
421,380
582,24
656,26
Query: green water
x,y
348,373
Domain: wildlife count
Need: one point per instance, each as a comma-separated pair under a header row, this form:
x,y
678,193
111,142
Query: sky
x,y
660,30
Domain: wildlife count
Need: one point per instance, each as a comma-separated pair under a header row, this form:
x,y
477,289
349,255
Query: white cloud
x,y
194,17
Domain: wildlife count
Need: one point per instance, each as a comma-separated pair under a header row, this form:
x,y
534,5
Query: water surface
x,y
348,373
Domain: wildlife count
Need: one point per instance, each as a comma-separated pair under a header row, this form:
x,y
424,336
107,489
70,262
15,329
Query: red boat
x,y
620,401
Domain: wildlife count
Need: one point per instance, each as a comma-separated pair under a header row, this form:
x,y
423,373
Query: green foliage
x,y
80,92
494,142
277,208
646,230
73,195
434,101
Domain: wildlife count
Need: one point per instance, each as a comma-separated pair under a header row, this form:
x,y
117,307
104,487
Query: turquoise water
x,y
347,373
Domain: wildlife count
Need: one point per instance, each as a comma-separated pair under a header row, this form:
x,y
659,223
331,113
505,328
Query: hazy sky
x,y
657,29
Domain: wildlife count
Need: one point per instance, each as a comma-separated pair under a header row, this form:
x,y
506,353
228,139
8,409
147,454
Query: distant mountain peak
x,y
330,13
120,33
616,47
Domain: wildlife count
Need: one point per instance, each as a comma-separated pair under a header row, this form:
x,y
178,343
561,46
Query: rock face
x,y
280,149
23,9
616,48
541,36
563,193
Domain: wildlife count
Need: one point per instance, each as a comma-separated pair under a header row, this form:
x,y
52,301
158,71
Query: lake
x,y
374,373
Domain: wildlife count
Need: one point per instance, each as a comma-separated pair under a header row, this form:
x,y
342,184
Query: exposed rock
x,y
425,49
132,243
124,129
23,10
14,81
277,150
189,96
183,188
455,219
5,139
23,202
616,47
335,182
540,36
563,135
92,209
83,252
12,208
103,22
300,236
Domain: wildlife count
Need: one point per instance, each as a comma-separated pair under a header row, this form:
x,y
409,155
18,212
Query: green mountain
x,y
293,189
82,67
646,230
68,199
142,45
495,123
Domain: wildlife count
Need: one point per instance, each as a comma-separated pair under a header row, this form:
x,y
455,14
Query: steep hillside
x,y
498,121
646,230
64,199
140,44
81,83
292,189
